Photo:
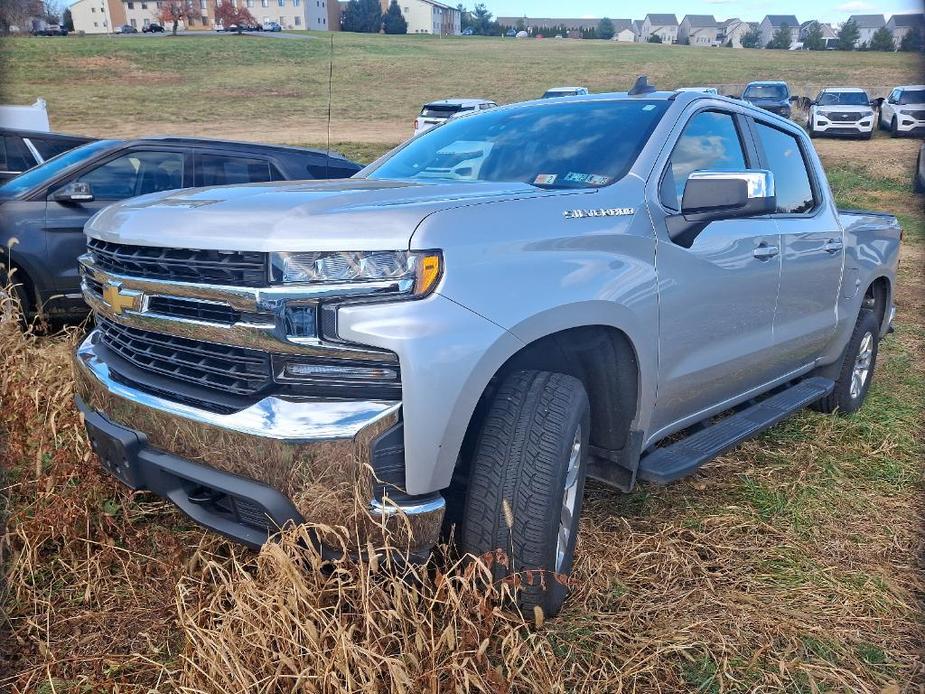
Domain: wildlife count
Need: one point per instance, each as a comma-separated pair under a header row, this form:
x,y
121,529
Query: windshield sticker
x,y
576,177
598,180
648,107
545,180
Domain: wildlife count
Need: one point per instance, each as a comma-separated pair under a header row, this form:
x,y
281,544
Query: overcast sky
x,y
752,10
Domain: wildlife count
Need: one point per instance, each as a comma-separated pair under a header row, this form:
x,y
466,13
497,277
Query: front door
x,y
126,175
717,297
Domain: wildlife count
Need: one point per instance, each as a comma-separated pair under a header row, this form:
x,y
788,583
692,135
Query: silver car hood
x,y
348,215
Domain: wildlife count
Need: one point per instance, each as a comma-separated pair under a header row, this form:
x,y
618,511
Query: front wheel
x,y
526,483
857,368
894,127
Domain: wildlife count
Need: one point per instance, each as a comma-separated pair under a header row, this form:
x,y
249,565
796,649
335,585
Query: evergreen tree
x,y
655,38
68,21
848,36
751,38
394,21
363,16
782,38
882,40
605,29
813,40
912,41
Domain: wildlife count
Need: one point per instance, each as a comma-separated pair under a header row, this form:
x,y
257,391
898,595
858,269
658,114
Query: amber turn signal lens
x,y
429,267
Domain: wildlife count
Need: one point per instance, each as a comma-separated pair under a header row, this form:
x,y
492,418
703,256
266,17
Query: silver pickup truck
x,y
620,286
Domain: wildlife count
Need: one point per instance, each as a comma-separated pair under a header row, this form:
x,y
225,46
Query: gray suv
x,y
472,326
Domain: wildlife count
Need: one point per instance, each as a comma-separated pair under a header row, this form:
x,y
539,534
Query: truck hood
x,y
346,215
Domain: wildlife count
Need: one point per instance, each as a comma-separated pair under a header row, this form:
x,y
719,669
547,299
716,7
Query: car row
x,y
46,207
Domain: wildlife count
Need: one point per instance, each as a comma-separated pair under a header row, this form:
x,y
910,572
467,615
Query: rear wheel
x,y
857,369
526,483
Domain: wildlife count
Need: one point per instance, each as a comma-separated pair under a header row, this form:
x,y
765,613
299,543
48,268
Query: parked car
x,y
841,111
127,29
153,28
919,175
51,30
437,112
22,149
488,342
47,207
903,111
557,92
468,31
771,96
272,26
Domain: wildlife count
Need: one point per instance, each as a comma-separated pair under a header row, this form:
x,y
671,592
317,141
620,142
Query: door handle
x,y
833,246
766,252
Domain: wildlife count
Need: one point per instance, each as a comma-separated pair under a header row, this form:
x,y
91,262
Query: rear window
x,y
13,155
223,170
442,110
559,144
765,91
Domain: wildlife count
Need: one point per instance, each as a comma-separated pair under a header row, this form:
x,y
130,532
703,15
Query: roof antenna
x,y
641,86
327,158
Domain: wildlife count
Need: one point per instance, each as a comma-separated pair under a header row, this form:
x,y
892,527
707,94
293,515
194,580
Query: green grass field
x,y
792,564
277,90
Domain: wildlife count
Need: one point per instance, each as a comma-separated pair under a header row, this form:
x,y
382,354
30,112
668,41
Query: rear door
x,y
812,248
125,174
716,297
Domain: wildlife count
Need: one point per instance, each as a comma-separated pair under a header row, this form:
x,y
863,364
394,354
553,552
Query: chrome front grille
x,y
194,309
234,268
224,368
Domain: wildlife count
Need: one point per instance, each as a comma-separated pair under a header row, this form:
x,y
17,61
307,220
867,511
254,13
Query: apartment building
x,y
429,17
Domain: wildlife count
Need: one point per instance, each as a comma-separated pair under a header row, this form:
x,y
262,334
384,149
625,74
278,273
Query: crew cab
x,y
620,286
438,112
841,111
903,111
44,209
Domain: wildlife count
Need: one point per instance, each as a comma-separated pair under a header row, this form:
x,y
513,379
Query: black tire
x,y
812,131
894,127
868,135
841,399
517,482
918,182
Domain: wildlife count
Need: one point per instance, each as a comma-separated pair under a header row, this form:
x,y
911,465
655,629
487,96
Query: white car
x,y
841,111
903,111
557,92
437,112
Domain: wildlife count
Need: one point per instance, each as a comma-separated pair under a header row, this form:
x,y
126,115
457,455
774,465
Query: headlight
x,y
412,272
824,114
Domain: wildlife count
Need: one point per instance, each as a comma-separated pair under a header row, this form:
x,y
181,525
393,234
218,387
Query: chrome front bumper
x,y
315,452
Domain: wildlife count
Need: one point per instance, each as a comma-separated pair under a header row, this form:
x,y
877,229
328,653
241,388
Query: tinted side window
x,y
223,170
134,174
13,155
52,148
785,160
710,142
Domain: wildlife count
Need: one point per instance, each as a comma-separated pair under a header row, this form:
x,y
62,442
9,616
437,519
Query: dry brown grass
x,y
791,564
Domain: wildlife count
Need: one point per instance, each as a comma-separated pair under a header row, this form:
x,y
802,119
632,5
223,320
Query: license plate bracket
x,y
117,449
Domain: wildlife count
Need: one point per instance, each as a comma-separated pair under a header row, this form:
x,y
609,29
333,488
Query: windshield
x,y
51,168
442,110
561,144
843,99
765,91
912,96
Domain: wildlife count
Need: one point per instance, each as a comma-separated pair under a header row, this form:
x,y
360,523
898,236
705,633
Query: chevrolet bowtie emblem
x,y
119,299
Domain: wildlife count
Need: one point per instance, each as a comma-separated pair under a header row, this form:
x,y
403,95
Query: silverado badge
x,y
609,212
119,299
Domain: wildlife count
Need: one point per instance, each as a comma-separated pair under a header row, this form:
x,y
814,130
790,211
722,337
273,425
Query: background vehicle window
x,y
710,142
221,170
51,148
791,179
134,174
13,155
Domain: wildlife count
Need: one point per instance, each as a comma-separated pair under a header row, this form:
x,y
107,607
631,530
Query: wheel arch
x,y
878,297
